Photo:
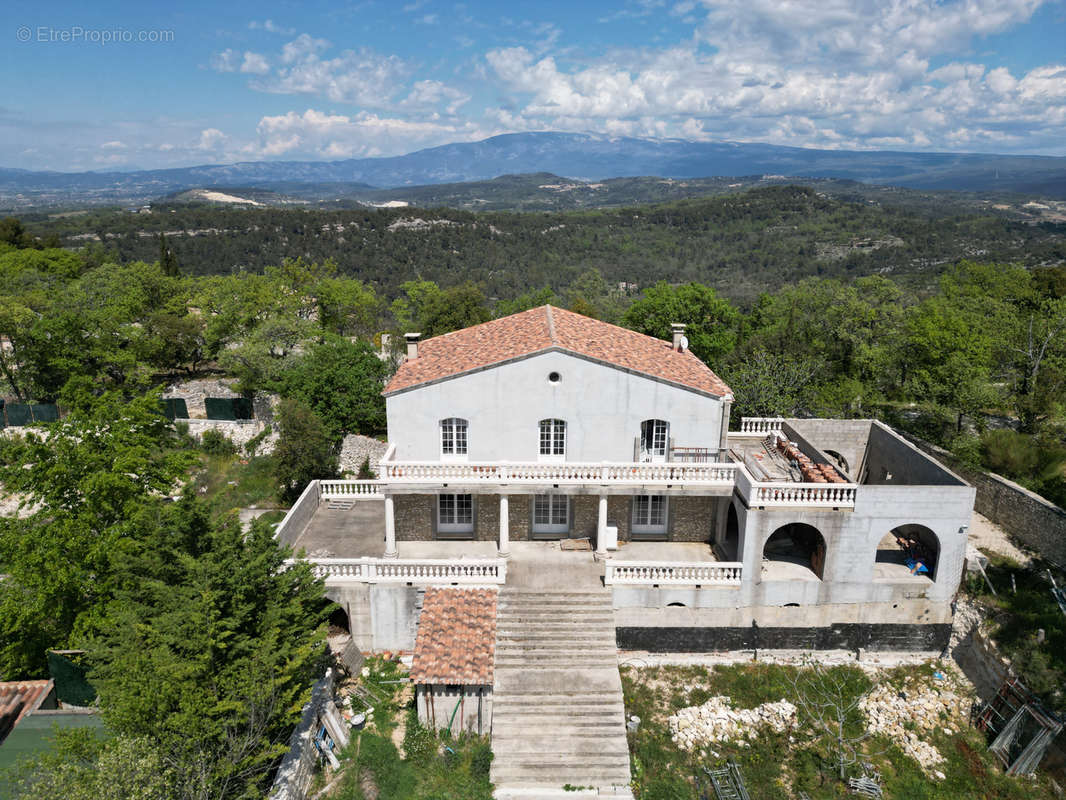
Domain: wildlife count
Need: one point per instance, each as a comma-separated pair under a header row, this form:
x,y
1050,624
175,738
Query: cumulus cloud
x,y
831,73
319,134
255,64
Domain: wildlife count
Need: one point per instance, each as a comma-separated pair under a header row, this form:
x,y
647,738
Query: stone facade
x,y
692,519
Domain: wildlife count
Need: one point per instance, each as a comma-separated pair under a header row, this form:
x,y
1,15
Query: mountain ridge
x,y
579,156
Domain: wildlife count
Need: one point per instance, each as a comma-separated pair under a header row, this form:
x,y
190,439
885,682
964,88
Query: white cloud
x,y
832,73
255,64
114,145
211,139
271,27
323,135
226,61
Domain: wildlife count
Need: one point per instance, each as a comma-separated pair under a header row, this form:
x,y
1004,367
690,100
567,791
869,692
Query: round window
x,y
554,377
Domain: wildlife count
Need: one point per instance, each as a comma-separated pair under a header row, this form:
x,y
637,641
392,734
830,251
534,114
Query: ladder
x,y
727,782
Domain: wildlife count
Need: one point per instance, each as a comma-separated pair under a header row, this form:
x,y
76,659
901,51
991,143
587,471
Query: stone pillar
x,y
390,528
601,530
505,528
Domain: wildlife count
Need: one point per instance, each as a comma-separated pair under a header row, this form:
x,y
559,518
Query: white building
x,y
550,425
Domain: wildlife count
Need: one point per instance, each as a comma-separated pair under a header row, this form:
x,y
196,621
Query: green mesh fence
x,y
18,414
71,685
175,408
228,407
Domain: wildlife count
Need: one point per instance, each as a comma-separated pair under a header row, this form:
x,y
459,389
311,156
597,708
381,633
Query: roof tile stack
x,y
812,473
456,640
546,328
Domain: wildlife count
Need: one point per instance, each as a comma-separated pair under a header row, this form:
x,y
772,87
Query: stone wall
x,y
848,636
414,517
238,431
1035,522
355,449
194,393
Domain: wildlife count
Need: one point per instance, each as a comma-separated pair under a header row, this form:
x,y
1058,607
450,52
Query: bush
x,y
365,473
419,742
253,444
305,450
216,443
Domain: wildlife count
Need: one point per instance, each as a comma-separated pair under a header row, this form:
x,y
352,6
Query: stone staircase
x,y
557,712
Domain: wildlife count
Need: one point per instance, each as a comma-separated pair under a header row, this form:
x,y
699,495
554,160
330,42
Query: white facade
x,y
603,408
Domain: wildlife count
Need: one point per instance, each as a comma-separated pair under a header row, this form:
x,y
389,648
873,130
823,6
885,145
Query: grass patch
x,y
783,764
1017,614
229,482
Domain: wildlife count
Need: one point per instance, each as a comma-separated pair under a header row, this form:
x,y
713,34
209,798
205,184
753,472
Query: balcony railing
x,y
784,494
673,573
717,474
428,571
760,425
356,490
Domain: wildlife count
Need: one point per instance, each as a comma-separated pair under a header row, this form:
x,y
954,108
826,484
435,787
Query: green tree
x,y
347,307
305,450
229,638
84,765
432,311
168,262
771,385
341,382
83,482
711,321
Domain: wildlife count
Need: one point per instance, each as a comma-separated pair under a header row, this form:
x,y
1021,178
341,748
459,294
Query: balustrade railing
x,y
646,573
404,570
761,424
349,489
572,473
833,495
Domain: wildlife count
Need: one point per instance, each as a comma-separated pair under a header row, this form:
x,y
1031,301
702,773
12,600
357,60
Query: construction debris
x,y
717,721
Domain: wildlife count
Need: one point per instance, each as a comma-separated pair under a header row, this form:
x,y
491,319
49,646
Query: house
x,y
452,668
549,425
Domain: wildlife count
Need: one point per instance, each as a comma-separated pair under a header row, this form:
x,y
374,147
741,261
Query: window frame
x,y
454,433
552,431
658,437
554,499
454,526
640,522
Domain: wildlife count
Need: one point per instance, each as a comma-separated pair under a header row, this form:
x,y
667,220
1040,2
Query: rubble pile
x,y
906,714
717,721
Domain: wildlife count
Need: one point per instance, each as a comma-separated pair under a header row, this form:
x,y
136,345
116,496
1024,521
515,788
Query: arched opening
x,y
796,550
675,605
839,459
909,551
731,543
338,622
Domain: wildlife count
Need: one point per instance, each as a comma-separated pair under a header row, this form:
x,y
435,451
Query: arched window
x,y
654,438
552,438
453,436
909,552
794,552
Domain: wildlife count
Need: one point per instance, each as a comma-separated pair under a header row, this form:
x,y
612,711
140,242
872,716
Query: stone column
x,y
505,528
601,530
390,528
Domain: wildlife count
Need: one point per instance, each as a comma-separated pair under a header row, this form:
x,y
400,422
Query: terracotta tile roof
x,y
547,328
456,640
20,698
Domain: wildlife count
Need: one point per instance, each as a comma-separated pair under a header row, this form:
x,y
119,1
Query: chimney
x,y
680,340
412,345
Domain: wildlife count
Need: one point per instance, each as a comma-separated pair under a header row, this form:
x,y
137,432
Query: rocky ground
x,y
717,721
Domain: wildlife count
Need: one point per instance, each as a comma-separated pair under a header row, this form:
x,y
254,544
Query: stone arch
x,y
339,622
907,551
731,541
839,459
797,544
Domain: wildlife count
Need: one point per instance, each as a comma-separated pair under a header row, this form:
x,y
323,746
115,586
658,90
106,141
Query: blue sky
x,y
127,85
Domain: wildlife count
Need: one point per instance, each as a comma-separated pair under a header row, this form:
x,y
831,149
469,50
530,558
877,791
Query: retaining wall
x,y
1035,522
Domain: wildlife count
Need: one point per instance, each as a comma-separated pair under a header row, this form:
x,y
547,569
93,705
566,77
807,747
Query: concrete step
x,y
560,662
584,714
589,771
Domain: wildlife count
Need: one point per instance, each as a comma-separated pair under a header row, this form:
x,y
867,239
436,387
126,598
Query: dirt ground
x,y
990,537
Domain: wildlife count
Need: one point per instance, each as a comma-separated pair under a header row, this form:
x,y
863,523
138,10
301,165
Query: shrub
x,y
253,444
419,742
215,443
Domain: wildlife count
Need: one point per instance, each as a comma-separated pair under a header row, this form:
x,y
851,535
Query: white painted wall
x,y
603,408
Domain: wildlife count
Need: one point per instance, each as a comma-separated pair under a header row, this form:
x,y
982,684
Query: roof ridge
x,y
551,324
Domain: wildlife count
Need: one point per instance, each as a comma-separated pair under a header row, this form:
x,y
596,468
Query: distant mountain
x,y
582,156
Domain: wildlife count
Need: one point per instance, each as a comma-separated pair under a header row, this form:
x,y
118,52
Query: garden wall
x,y
1037,523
